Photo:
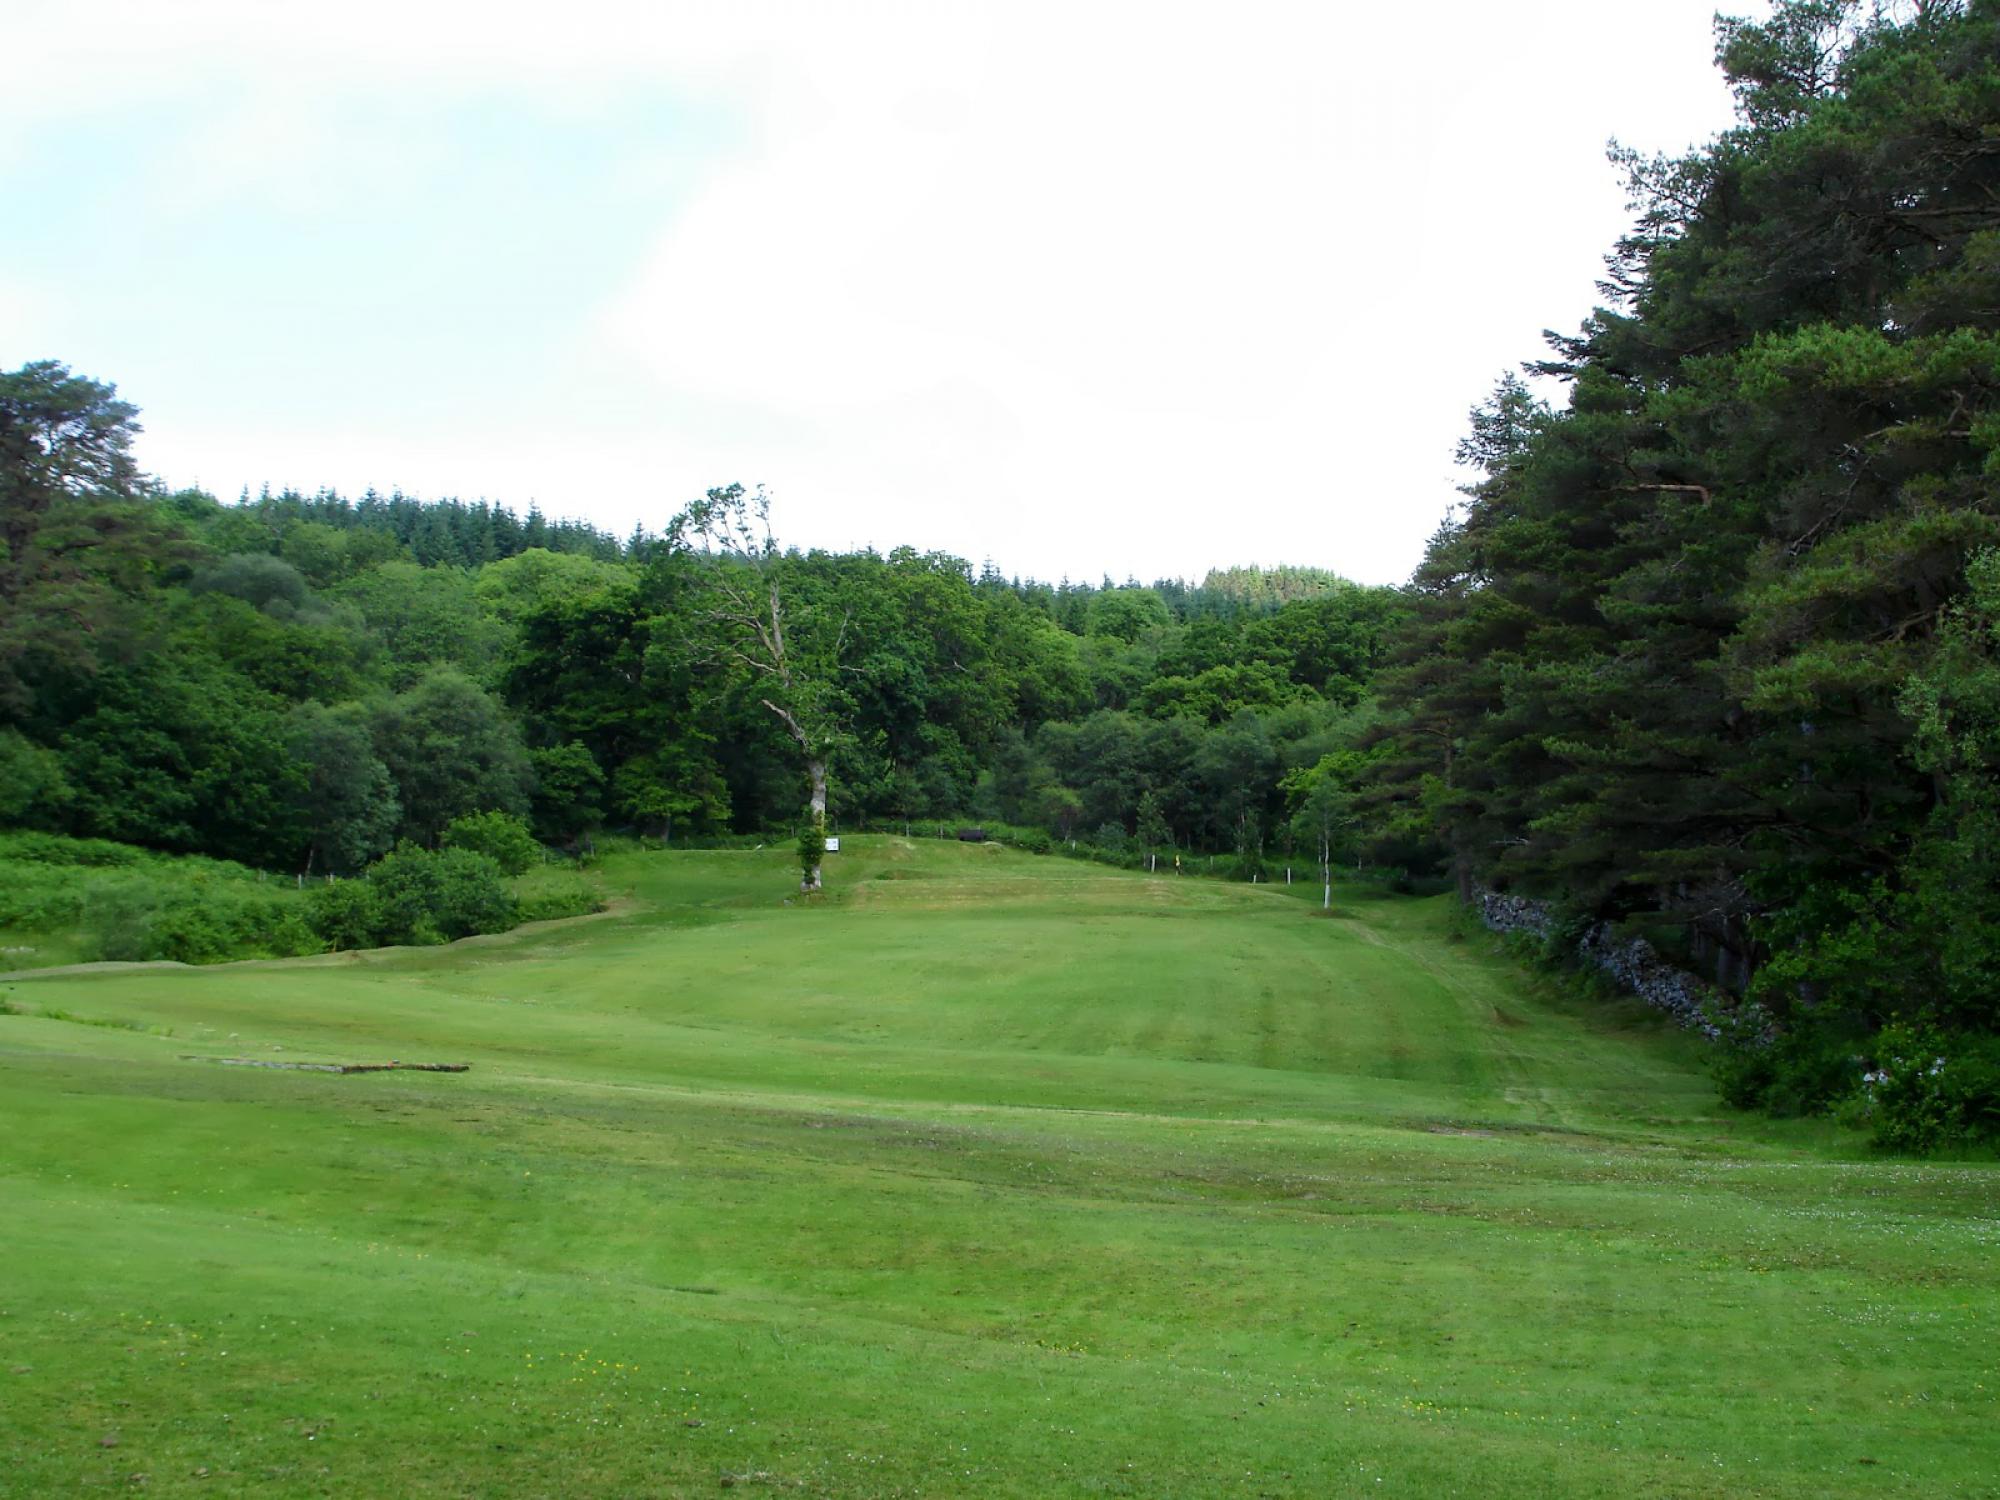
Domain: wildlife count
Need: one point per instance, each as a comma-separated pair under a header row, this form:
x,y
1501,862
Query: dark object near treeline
x,y
326,1067
972,835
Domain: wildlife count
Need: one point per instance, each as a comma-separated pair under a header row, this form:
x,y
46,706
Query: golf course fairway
x,y
985,1175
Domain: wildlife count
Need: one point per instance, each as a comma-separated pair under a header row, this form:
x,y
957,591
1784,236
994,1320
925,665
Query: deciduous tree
x,y
787,640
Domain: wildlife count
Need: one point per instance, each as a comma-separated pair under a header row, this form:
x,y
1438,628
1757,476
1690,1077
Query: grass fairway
x,y
989,1176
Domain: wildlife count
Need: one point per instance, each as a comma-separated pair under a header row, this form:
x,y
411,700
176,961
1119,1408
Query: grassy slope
x,y
993,1176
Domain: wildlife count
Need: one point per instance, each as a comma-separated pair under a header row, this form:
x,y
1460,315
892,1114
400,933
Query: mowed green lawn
x,y
987,1176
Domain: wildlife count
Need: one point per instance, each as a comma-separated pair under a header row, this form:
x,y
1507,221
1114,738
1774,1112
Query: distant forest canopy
x,y
450,531
1710,652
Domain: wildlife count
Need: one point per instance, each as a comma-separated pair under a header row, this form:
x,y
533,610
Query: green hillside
x,y
988,1175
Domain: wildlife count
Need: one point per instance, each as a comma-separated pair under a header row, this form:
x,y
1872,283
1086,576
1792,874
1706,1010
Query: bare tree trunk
x,y
810,881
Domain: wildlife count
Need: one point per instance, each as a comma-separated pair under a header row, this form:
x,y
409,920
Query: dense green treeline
x,y
1710,649
300,684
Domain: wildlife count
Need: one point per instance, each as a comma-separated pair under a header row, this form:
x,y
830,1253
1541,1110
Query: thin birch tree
x,y
789,646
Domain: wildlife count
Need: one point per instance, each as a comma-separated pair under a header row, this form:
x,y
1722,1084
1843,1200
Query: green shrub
x,y
433,897
1932,1090
186,931
118,920
131,903
414,895
211,927
94,898
1743,1072
544,894
1034,841
199,920
812,847
54,849
344,915
1808,1067
41,896
500,836
1110,837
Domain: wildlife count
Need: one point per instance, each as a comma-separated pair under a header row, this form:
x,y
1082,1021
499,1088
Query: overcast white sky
x,y
1136,288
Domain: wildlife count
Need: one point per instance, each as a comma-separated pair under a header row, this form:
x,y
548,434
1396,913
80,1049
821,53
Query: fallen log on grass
x,y
326,1067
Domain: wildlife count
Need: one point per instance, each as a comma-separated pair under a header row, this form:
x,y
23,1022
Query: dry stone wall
x,y
1630,963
